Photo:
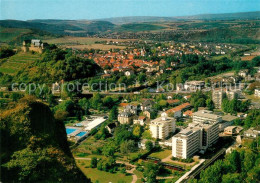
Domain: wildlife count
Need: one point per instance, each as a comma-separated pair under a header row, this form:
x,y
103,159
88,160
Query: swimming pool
x,y
81,134
70,130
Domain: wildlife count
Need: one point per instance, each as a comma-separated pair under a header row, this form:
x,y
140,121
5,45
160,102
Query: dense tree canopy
x,y
34,146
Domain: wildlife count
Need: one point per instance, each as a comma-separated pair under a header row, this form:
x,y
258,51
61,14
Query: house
x,y
187,113
187,97
232,130
176,112
257,92
140,120
125,117
132,108
141,144
147,114
252,132
243,73
194,85
129,73
147,104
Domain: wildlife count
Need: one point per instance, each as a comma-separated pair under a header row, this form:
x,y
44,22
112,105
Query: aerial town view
x,y
129,91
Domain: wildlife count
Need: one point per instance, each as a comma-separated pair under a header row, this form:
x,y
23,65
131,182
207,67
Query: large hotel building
x,y
198,136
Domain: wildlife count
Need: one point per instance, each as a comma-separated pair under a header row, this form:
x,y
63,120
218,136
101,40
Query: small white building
x,y
257,92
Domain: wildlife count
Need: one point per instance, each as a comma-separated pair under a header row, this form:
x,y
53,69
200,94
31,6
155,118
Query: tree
x,y
113,113
96,101
212,174
109,150
106,164
150,172
128,147
84,104
108,102
148,145
61,115
6,52
231,178
210,104
93,163
234,161
137,131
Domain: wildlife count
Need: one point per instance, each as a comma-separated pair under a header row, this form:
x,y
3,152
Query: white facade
x,y
205,115
186,143
202,133
257,92
161,127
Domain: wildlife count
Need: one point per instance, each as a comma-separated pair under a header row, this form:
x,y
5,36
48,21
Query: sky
x,y
96,9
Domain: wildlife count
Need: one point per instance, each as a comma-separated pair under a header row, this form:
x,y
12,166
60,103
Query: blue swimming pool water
x,y
70,130
81,134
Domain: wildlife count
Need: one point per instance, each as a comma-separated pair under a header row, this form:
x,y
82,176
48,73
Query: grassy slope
x,y
18,62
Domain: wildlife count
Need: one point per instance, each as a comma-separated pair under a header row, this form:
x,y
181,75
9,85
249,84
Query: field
x,y
81,40
95,46
18,62
101,176
86,42
9,34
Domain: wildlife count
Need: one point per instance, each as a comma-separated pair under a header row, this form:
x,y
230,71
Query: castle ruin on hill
x,y
35,45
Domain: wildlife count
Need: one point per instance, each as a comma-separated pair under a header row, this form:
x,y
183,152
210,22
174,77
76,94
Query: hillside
x,y
35,148
14,64
223,16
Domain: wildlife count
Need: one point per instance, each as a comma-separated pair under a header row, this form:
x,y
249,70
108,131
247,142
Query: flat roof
x,y
206,114
229,118
89,126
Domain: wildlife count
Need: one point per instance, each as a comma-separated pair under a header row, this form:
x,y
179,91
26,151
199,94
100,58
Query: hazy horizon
x,y
100,9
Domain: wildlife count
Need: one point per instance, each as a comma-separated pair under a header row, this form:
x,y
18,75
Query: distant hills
x,y
223,16
14,31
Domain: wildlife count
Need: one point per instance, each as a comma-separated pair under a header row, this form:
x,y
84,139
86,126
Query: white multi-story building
x,y
205,115
186,143
161,127
202,133
209,133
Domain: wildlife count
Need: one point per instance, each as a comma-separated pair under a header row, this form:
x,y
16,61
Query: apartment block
x,y
217,96
205,115
202,133
186,143
162,127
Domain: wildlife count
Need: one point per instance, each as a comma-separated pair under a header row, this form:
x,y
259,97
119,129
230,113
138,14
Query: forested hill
x,y
34,147
57,65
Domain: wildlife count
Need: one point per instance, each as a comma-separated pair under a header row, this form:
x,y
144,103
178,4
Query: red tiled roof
x,y
141,117
178,108
123,104
188,113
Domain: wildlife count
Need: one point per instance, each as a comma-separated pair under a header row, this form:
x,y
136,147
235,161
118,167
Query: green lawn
x,y
102,176
161,154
